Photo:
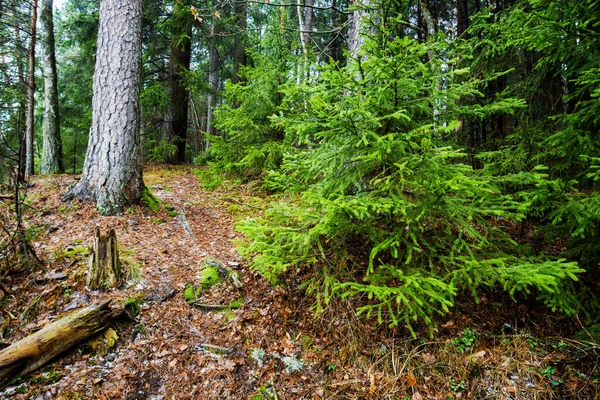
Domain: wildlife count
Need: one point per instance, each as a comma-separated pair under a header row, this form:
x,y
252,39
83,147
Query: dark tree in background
x,y
52,144
239,44
176,121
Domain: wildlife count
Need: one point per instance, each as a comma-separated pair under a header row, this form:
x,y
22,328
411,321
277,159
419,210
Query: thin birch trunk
x,y
213,79
356,39
29,123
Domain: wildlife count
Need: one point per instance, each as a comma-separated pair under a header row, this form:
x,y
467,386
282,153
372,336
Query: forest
x,y
294,199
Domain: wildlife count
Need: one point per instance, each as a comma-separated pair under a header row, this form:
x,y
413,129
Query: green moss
x,y
170,210
103,342
78,253
132,306
34,232
47,378
149,200
209,277
237,303
189,294
140,329
307,342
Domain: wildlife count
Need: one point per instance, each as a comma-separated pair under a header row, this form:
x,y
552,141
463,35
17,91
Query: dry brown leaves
x,y
171,350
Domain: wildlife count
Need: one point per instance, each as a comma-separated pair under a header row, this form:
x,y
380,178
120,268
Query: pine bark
x,y
52,157
429,21
179,63
356,38
29,122
337,44
112,171
22,106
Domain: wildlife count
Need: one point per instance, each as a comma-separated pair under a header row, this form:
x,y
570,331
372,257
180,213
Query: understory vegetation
x,y
313,199
424,170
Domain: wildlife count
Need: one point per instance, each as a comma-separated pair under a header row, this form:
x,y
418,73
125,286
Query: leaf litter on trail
x,y
160,353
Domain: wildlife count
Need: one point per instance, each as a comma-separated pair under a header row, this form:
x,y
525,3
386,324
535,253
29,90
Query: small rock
x,y
10,392
56,276
83,299
132,222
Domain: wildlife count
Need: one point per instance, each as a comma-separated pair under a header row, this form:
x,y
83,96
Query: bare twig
x,y
212,307
216,348
332,8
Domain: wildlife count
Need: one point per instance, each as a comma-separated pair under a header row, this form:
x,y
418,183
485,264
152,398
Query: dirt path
x,y
166,353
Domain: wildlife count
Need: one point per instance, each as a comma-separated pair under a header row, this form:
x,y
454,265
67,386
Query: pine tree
x,y
112,173
389,209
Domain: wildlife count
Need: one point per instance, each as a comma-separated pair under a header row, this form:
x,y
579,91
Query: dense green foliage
x,y
559,43
443,148
389,207
385,204
251,143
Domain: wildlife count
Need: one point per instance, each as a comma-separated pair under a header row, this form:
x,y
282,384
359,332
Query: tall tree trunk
x,y
356,39
22,106
29,123
112,171
305,25
428,18
239,43
431,31
52,158
463,16
308,25
179,63
213,78
336,19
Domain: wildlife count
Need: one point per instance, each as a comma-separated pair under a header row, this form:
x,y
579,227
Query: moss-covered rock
x,y
189,294
209,277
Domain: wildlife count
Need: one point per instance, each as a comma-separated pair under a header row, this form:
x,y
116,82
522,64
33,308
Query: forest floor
x,y
266,343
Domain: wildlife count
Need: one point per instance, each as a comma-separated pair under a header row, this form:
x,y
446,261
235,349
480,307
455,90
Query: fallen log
x,y
35,350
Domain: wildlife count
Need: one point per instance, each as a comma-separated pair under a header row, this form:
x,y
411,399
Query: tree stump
x,y
104,268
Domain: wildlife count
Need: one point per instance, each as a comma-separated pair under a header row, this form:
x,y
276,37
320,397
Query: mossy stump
x,y
104,270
